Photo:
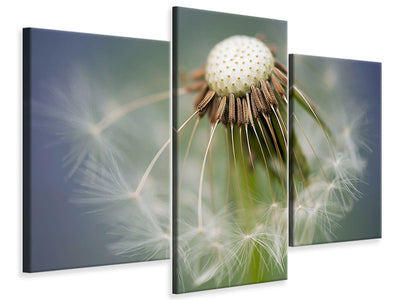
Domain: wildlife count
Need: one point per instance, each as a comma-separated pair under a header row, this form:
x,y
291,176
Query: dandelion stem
x,y
266,165
187,153
243,162
249,110
154,160
304,98
301,174
252,162
199,203
211,178
270,154
312,148
280,126
295,189
245,175
229,168
187,121
238,181
280,117
121,111
271,129
149,168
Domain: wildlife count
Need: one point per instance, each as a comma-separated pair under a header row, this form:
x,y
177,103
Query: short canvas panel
x,y
335,150
96,113
229,158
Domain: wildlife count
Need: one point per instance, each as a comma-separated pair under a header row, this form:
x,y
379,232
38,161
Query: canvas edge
x,y
26,150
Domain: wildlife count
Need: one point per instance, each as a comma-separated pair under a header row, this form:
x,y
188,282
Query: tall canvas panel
x,y
229,158
335,150
95,146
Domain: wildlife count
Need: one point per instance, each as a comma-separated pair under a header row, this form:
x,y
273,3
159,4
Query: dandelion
x,y
234,233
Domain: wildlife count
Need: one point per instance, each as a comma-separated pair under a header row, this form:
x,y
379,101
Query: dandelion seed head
x,y
71,113
267,243
217,244
139,222
94,130
237,63
210,247
141,235
134,196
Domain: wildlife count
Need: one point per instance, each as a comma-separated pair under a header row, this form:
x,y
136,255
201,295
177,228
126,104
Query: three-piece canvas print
x,y
268,150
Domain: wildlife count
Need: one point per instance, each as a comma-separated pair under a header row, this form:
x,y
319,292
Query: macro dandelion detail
x,y
335,150
230,211
102,108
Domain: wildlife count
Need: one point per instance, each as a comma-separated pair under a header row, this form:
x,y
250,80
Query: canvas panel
x,y
229,158
335,153
96,112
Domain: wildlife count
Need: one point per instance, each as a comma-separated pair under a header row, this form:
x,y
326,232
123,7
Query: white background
x,y
365,30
